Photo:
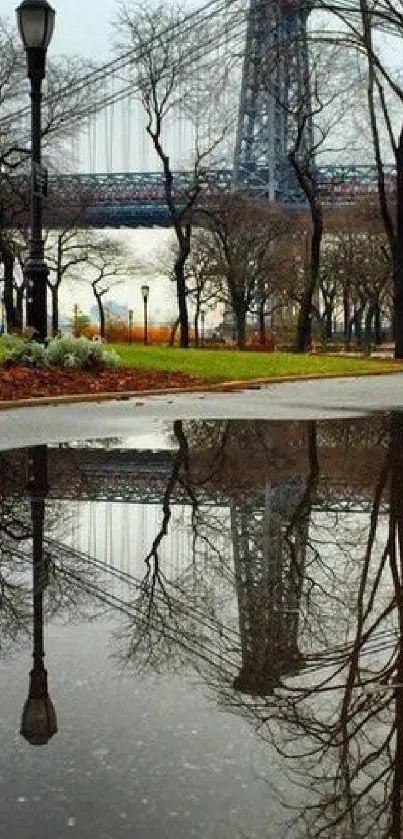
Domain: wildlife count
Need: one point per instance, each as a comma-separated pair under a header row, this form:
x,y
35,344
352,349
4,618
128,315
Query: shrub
x,y
80,353
74,353
29,353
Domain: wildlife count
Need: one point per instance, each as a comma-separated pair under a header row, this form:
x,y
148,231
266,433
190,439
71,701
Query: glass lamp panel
x,y
32,26
35,24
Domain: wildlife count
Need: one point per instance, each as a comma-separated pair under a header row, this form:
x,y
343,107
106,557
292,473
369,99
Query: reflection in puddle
x,y
223,623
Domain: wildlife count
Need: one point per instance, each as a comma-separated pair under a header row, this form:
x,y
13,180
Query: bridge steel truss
x,y
134,199
275,92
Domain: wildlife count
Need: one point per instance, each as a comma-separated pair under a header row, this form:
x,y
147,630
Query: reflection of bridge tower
x,y
269,568
275,89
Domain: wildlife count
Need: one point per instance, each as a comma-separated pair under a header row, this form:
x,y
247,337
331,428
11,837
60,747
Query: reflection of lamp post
x,y
35,23
38,721
203,319
130,325
145,290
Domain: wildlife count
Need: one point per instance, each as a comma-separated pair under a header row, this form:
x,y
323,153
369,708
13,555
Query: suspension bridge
x,y
271,37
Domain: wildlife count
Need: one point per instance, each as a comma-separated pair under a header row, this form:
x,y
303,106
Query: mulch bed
x,y
25,382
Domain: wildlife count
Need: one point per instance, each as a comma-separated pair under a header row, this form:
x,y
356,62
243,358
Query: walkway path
x,y
317,399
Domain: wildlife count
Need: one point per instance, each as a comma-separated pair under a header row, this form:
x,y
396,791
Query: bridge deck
x,y
137,199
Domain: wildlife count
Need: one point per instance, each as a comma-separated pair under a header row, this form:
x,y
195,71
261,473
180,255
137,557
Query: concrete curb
x,y
225,387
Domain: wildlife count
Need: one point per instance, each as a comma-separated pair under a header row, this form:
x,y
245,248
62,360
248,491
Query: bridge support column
x,y
275,87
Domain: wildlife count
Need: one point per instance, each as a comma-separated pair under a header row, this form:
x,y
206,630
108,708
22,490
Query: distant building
x,y
117,311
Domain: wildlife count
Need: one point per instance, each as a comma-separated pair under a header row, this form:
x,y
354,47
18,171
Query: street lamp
x,y
130,325
36,20
145,290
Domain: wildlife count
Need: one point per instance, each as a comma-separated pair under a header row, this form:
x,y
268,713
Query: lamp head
x,y
36,20
145,290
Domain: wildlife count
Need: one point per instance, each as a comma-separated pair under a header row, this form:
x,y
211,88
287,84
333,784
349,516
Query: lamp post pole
x,y
145,290
130,325
35,23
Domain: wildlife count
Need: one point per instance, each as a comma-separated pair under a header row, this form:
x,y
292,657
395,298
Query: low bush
x,y
70,352
29,353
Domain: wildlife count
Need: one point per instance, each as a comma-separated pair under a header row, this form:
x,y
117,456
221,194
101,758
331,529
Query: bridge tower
x,y
275,90
269,570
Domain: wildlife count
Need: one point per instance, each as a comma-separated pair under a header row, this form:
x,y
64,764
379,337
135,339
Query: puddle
x,y
218,607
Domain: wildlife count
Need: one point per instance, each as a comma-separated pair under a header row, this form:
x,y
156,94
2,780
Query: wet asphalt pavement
x,y
304,400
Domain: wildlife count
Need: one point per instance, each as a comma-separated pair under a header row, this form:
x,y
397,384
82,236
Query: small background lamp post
x,y
145,290
130,325
36,20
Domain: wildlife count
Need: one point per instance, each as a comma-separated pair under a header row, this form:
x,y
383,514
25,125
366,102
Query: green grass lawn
x,y
226,365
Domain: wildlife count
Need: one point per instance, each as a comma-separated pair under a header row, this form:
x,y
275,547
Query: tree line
x,y
254,257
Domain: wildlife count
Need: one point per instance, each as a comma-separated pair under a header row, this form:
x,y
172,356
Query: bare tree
x,y
166,87
245,238
103,263
63,257
327,103
358,26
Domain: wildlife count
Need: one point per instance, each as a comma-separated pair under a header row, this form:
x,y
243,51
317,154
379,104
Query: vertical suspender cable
x,y
129,133
106,139
89,147
112,131
94,145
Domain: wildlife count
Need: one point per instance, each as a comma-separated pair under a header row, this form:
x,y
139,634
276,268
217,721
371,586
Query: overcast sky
x,y
82,26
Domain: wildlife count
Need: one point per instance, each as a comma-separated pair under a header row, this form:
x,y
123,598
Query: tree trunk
x,y
179,269
240,315
377,324
346,316
8,263
397,257
262,324
18,311
196,328
395,537
328,321
304,326
183,232
173,332
368,325
101,312
54,291
357,320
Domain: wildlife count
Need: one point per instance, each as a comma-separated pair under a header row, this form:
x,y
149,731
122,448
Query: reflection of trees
x,y
346,711
262,560
302,612
338,722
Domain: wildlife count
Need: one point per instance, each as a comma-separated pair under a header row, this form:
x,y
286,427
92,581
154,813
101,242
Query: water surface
x,y
222,620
